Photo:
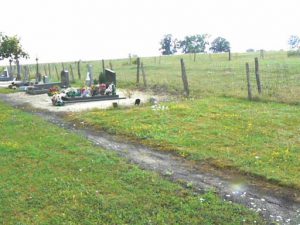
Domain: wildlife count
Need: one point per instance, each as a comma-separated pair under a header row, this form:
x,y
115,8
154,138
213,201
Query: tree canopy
x,y
11,48
194,44
220,44
168,45
294,42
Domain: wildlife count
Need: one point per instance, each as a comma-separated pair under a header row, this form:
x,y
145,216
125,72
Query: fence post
x,y
138,63
72,74
103,66
184,79
57,75
49,69
144,75
63,66
110,65
229,55
257,75
45,69
262,55
194,56
248,82
78,69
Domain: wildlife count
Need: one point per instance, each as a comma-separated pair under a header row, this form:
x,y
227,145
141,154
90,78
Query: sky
x,y
69,30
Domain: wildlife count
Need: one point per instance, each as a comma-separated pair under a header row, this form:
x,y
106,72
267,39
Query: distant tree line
x,y
192,44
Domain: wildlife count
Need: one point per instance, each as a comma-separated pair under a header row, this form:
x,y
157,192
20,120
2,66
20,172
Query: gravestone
x,y
38,78
110,76
64,77
45,79
90,69
26,74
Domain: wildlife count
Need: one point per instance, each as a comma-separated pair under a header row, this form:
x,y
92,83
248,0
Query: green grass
x,y
7,91
253,137
210,75
51,176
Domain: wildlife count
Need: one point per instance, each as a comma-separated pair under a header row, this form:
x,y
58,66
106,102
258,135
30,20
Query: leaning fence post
x,y
184,79
78,69
248,82
257,75
138,63
144,75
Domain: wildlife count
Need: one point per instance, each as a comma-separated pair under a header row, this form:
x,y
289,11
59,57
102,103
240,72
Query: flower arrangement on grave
x,y
57,99
94,90
53,90
72,92
102,88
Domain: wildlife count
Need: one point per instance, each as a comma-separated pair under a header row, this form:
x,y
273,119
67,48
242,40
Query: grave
x,y
102,92
5,76
44,87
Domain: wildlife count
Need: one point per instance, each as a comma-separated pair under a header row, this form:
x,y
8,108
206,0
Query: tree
x,y
220,45
194,44
294,42
168,45
11,48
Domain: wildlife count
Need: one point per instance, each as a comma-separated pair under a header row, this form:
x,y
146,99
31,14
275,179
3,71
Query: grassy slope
x,y
51,176
210,75
254,137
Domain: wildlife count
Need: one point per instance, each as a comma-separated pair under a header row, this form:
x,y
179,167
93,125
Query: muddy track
x,y
277,206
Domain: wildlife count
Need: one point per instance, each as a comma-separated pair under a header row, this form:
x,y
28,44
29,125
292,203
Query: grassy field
x,y
210,75
252,137
51,176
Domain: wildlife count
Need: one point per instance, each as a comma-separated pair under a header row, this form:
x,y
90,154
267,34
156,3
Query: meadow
x,y
257,138
51,176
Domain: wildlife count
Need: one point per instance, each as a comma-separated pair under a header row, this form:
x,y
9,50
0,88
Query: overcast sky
x,y
69,30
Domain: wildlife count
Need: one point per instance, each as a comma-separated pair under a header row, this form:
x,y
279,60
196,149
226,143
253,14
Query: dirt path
x,y
278,206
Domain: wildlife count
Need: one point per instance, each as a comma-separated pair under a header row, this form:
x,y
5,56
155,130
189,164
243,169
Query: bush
x,y
293,53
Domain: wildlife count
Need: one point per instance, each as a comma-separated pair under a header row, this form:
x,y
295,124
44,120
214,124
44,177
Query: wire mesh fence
x,y
208,74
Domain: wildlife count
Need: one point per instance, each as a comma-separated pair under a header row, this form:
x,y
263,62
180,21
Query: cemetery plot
x,y
106,90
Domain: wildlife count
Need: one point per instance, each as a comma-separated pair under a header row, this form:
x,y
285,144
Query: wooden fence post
x,y
49,69
262,55
229,55
138,63
184,79
194,56
144,75
45,69
78,69
72,74
57,75
103,66
248,82
63,66
110,65
257,75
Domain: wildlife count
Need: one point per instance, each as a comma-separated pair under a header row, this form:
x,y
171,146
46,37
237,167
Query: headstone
x,y
90,69
64,78
110,76
45,79
38,78
26,74
5,72
87,79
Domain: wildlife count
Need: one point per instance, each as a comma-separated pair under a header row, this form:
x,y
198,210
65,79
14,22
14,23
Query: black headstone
x,y
64,78
110,76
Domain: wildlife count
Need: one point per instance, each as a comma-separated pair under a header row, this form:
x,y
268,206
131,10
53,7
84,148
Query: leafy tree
x,y
11,48
220,45
168,45
294,42
194,44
